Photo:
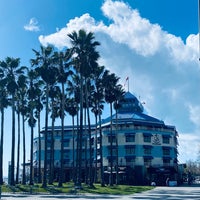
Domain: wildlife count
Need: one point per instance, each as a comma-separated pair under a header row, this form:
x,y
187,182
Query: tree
x,y
4,103
119,92
72,109
45,68
97,107
24,111
21,104
55,96
32,93
110,83
12,70
39,108
62,61
85,55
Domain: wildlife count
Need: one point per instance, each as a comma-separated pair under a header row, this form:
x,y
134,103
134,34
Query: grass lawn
x,y
69,188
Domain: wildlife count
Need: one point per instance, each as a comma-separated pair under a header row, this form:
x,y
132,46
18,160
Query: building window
x,y
114,151
113,159
66,142
130,150
66,153
98,140
166,162
166,151
147,161
92,141
58,133
165,139
66,161
147,138
98,152
130,161
130,137
49,144
113,138
147,150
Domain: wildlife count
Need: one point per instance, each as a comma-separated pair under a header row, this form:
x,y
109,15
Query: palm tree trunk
x,y
101,149
12,166
96,141
117,156
31,149
44,184
79,139
73,150
77,150
111,148
90,143
61,173
51,167
39,153
24,152
85,145
1,147
18,149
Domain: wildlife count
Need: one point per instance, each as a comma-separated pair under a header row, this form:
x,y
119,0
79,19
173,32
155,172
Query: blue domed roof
x,y
130,103
131,111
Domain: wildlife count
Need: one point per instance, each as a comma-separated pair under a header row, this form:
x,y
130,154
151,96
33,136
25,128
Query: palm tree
x,y
32,93
4,103
87,104
21,103
18,143
110,82
55,95
12,70
97,102
119,92
45,68
39,108
24,111
72,109
62,61
97,110
83,48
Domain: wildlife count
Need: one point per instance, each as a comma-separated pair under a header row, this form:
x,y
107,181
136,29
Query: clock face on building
x,y
156,140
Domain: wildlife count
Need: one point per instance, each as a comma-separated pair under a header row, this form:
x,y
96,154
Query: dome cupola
x,y
130,104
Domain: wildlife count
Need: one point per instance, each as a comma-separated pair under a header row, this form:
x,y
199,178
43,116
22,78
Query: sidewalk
x,y
158,193
9,196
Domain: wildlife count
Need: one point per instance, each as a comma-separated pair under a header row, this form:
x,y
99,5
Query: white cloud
x,y
163,69
32,25
188,147
194,111
60,38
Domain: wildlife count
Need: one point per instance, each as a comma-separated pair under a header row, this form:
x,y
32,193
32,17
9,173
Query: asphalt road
x,y
158,193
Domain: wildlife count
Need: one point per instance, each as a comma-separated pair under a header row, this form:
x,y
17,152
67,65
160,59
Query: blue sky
x,y
153,42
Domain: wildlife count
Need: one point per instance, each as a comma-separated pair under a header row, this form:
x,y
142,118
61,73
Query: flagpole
x,y
128,84
199,25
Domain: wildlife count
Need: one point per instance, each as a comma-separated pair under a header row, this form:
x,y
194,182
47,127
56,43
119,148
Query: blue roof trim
x,y
147,134
128,95
147,146
130,134
148,157
129,146
166,157
130,156
138,118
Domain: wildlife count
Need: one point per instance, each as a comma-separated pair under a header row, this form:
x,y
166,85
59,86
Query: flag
x,y
127,78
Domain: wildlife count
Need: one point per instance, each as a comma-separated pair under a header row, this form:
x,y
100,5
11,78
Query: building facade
x,y
143,149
